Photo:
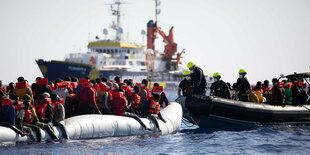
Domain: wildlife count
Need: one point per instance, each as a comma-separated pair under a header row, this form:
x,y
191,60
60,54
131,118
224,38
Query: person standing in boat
x,y
243,86
22,88
198,79
219,87
299,95
163,101
184,85
86,98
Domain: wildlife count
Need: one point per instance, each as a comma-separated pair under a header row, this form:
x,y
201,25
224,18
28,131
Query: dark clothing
x,y
198,81
220,89
299,95
8,114
163,99
278,95
40,89
243,87
145,108
86,102
184,85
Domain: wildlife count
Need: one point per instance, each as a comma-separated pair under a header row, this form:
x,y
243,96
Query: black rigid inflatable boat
x,y
215,112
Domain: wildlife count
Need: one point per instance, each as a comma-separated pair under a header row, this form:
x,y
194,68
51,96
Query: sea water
x,y
189,140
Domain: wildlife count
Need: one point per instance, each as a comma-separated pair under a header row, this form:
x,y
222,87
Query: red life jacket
x,y
137,103
61,100
42,82
288,85
266,88
157,90
21,85
154,107
55,105
62,84
74,85
148,92
103,87
7,102
52,86
118,104
41,109
256,89
86,85
81,81
3,89
28,119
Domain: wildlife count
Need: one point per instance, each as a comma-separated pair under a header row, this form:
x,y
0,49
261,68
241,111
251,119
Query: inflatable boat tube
x,y
215,112
99,126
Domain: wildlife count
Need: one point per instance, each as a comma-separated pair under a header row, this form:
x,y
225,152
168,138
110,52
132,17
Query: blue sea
x,y
189,140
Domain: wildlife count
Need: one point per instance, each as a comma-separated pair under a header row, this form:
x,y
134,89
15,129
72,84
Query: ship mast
x,y
157,10
116,26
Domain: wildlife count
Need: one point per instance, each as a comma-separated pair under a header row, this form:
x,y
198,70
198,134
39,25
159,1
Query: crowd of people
x,y
26,108
285,92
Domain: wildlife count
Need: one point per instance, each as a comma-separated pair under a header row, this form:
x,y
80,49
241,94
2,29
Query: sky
x,y
265,37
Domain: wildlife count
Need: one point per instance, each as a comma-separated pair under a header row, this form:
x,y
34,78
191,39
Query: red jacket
x,y
118,104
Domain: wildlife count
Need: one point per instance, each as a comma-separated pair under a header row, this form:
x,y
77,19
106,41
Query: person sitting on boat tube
x,y
151,110
299,95
163,101
198,79
184,85
243,86
219,87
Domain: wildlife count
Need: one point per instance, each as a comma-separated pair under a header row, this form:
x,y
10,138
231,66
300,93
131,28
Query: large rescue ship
x,y
113,57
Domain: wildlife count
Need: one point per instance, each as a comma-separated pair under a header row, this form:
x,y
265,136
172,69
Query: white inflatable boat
x,y
99,126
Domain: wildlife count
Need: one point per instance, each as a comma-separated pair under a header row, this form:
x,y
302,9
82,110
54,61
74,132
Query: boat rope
x,y
187,121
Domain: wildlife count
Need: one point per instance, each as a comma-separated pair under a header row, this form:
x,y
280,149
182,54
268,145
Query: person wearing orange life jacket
x,y
22,88
44,109
119,105
144,85
51,84
258,87
58,107
102,98
74,84
86,98
134,100
61,88
163,101
278,93
69,86
8,115
152,108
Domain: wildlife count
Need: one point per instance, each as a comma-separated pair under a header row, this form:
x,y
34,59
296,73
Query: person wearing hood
x,y
184,85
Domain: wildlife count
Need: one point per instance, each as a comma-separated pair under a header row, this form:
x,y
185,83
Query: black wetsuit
x,y
184,85
220,89
198,81
243,86
299,95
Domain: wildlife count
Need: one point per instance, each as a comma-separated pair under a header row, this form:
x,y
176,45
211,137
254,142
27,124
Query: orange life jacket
x,y
55,105
74,85
28,119
62,84
41,109
42,81
288,85
81,81
86,85
154,107
52,86
21,89
137,103
149,93
61,100
7,102
3,89
118,104
157,90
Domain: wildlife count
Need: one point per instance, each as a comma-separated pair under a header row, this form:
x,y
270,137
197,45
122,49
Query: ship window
x,y
108,51
116,51
104,63
126,57
104,50
130,63
128,51
100,50
133,52
97,50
